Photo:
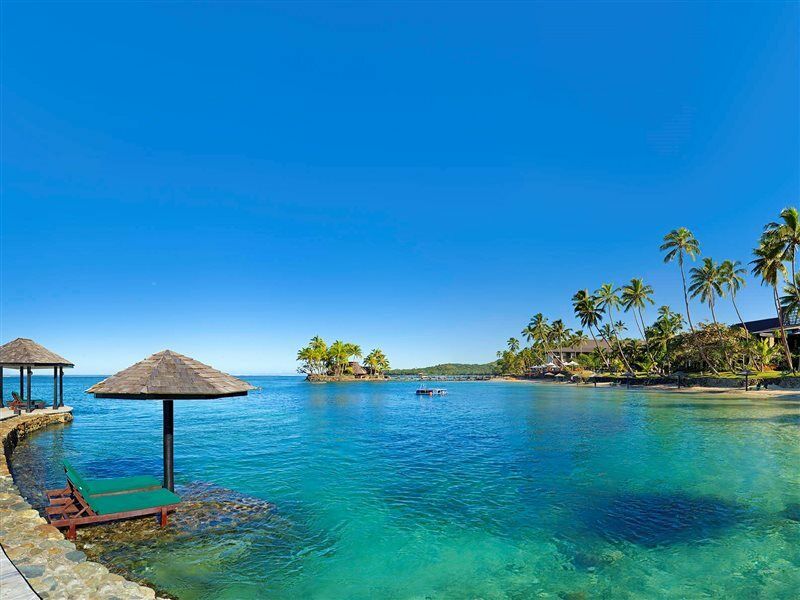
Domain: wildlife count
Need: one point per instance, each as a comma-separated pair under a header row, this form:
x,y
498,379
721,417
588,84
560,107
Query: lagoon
x,y
497,490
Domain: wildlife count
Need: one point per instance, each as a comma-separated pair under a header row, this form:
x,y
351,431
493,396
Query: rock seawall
x,y
52,565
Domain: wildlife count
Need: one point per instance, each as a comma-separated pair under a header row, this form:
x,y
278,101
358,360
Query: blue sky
x,y
227,180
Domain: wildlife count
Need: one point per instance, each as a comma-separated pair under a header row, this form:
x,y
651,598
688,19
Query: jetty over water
x,y
440,377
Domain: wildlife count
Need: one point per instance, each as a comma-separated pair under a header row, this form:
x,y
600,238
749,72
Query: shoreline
x,y
51,565
727,391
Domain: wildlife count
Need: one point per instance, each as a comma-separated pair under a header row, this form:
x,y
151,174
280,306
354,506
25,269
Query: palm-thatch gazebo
x,y
25,354
169,376
358,370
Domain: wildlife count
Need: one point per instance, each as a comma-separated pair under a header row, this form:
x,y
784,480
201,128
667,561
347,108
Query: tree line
x,y
666,343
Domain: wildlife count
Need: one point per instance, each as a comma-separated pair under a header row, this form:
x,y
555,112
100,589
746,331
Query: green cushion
x,y
121,484
106,505
75,478
89,487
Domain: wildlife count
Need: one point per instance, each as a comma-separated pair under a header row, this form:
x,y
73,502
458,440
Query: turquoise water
x,y
498,490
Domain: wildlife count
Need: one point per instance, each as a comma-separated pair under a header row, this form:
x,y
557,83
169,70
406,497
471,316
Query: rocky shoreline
x,y
336,378
52,565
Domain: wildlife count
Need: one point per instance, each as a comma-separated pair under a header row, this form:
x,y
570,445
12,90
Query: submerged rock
x,y
205,509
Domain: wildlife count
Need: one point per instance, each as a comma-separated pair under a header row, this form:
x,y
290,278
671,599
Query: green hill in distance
x,y
448,369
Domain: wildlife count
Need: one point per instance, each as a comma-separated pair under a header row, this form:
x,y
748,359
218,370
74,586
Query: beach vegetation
x,y
317,359
673,340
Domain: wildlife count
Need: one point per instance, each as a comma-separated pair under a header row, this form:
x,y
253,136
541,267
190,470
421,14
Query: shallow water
x,y
498,490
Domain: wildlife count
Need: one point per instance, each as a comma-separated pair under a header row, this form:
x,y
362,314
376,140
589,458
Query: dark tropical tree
x,y
376,362
540,330
678,244
558,333
608,300
590,315
706,284
768,265
784,234
635,296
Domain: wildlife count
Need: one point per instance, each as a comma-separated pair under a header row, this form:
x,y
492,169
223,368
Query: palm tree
x,y
785,234
635,296
338,353
376,361
558,333
529,333
587,311
354,351
513,344
707,284
790,303
578,339
677,244
313,356
768,264
541,330
608,300
731,275
666,327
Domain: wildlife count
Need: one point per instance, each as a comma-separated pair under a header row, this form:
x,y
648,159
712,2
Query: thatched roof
x,y
168,375
585,348
357,369
23,352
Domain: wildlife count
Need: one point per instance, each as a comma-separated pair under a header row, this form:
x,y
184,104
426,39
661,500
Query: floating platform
x,y
431,392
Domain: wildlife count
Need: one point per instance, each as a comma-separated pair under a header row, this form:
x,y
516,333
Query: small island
x,y
339,362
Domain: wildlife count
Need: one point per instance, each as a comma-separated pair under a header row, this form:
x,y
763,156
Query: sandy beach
x,y
751,393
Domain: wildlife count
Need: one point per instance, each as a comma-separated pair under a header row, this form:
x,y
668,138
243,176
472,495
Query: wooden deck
x,y
7,413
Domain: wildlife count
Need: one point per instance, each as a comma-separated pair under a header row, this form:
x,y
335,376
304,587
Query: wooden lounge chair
x,y
89,501
18,404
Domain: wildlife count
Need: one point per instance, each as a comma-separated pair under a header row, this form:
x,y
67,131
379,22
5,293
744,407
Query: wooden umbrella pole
x,y
169,474
30,372
55,387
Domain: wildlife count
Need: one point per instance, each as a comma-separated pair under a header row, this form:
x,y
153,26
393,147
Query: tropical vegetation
x,y
669,340
318,359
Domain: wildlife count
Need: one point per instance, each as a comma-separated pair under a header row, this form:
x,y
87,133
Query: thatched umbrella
x,y
169,376
678,375
25,354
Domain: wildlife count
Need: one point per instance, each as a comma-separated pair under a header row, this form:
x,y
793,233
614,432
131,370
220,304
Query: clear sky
x,y
227,180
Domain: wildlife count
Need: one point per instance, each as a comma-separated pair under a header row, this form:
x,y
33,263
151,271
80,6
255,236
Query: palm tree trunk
x,y
546,347
719,335
602,354
619,344
783,330
746,333
644,337
689,316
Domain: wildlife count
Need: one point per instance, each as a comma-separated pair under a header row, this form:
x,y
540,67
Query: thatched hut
x,y
25,354
358,371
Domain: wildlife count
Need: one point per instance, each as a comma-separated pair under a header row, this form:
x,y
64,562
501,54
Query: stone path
x,y
12,583
52,565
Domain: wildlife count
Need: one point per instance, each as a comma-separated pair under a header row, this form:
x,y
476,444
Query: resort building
x,y
571,353
766,328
